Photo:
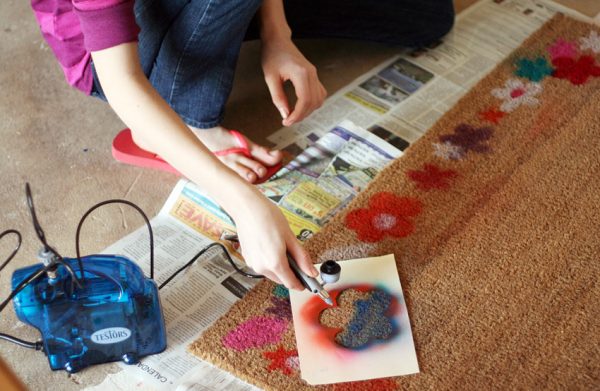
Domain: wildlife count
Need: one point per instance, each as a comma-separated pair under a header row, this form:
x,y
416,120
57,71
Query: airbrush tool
x,y
330,273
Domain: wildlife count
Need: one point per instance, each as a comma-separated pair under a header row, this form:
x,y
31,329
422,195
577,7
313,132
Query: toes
x,y
266,155
245,172
259,169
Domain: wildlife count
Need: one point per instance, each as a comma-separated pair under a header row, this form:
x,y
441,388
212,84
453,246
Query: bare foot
x,y
219,138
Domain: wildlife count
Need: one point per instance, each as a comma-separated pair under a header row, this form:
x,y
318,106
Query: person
x,y
166,68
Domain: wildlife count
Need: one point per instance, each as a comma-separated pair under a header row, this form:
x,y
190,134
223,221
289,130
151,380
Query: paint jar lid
x,y
330,271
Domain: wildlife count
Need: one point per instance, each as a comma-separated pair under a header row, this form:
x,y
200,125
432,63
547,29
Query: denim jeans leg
x,y
405,23
195,65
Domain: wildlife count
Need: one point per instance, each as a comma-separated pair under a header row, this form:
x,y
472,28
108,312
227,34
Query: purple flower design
x,y
281,308
469,138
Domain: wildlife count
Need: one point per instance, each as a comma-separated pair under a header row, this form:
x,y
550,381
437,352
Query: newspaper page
x,y
407,94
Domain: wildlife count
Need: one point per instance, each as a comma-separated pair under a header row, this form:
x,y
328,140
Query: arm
x,y
264,233
282,61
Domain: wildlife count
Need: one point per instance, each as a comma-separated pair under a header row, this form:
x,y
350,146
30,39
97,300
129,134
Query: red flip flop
x,y
126,151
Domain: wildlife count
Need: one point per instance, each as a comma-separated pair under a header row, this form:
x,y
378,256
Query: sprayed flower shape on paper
x,y
535,70
591,42
447,151
562,48
255,333
469,138
386,215
517,93
362,317
577,71
431,177
282,360
369,324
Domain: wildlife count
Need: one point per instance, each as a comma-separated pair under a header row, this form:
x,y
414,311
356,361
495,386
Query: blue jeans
x,y
189,48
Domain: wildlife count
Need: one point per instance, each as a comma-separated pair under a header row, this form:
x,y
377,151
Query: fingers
x,y
284,272
287,277
275,85
302,258
310,93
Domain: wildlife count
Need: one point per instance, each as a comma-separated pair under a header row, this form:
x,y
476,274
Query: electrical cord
x,y
200,253
115,201
17,247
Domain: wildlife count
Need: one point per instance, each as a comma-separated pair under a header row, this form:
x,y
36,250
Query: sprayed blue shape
x,y
370,324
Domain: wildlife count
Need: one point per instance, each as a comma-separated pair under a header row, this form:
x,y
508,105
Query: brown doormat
x,y
494,219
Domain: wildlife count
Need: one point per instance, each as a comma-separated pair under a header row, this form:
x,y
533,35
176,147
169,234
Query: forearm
x,y
273,24
151,119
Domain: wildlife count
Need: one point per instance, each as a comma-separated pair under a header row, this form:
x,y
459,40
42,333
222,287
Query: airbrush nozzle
x,y
325,296
310,283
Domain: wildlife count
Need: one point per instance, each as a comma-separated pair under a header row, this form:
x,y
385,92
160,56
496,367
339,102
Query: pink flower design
x,y
562,48
255,333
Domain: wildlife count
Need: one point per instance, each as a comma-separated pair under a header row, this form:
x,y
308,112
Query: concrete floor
x,y
59,141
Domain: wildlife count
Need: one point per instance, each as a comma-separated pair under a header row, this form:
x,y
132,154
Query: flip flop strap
x,y
241,149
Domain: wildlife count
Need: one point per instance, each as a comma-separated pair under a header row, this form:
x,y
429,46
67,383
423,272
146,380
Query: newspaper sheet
x,y
401,98
396,101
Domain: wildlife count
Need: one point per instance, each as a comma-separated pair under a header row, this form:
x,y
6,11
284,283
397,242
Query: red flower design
x,y
387,214
431,177
576,71
492,115
284,360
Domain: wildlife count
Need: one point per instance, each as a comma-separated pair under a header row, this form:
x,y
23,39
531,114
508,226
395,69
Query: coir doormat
x,y
494,219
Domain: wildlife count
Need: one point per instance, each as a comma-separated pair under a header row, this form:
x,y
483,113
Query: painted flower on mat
x,y
534,70
562,48
448,151
283,360
255,333
516,93
591,42
387,214
576,71
469,138
431,177
281,308
492,115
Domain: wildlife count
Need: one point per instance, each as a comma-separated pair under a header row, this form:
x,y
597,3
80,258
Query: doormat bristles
x,y
494,219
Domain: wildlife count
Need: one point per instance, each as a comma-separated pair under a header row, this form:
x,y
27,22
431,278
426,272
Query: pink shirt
x,y
74,28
